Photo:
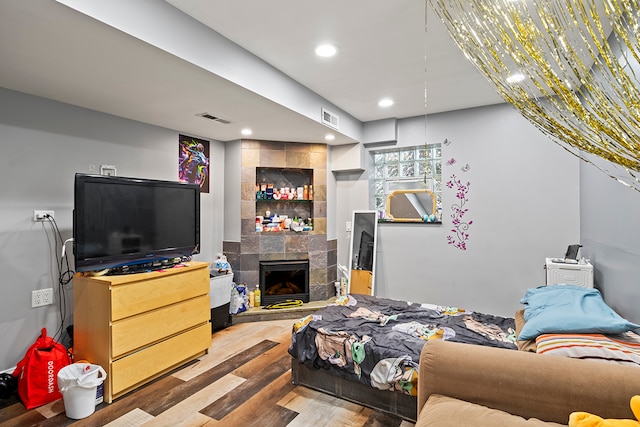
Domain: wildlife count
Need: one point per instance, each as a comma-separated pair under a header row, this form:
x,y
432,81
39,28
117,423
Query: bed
x,y
366,349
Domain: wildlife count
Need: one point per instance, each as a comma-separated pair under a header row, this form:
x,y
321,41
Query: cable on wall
x,y
65,273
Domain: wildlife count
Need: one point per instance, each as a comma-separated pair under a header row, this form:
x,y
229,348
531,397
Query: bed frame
x,y
393,403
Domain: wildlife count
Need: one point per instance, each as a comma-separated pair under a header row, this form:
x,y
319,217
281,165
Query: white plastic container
x,y
78,384
220,289
219,299
580,274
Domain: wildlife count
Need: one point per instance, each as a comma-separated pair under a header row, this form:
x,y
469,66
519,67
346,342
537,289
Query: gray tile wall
x,y
245,255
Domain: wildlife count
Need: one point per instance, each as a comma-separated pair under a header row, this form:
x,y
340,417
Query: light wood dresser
x,y
140,326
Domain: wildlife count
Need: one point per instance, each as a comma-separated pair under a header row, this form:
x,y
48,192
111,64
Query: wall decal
x,y
460,228
193,161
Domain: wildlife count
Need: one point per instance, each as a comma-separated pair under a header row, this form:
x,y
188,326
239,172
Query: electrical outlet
x,y
41,297
39,216
47,296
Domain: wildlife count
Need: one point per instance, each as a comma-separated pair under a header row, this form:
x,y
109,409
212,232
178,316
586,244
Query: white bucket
x,y
78,384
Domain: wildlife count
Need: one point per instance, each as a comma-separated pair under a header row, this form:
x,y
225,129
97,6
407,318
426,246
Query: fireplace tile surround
x,y
245,256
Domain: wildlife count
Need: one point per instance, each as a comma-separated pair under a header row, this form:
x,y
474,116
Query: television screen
x,y
121,222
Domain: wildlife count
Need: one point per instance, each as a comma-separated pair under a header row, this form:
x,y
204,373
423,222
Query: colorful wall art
x,y
194,161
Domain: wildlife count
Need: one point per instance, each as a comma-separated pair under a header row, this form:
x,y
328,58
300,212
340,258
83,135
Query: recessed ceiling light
x,y
515,78
329,137
326,50
385,102
246,132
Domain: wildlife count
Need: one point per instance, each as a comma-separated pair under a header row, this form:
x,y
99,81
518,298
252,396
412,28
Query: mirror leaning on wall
x,y
362,256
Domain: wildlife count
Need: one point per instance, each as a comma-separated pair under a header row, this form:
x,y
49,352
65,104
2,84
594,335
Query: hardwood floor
x,y
244,380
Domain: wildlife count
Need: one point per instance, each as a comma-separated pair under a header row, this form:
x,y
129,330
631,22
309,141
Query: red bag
x,y
37,372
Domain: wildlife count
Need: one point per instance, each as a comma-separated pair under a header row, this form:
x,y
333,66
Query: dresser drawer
x,y
139,331
166,288
152,361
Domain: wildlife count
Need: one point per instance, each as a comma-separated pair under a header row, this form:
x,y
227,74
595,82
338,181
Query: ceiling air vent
x,y
214,118
330,119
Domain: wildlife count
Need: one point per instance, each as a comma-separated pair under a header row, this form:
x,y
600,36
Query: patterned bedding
x,y
377,341
623,349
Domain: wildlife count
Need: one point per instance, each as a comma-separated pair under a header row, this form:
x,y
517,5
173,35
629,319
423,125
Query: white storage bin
x,y
220,297
569,274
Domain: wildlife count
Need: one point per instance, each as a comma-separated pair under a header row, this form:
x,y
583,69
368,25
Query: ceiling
x,y
53,51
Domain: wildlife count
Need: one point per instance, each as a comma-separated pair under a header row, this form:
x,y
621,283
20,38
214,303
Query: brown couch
x,y
464,385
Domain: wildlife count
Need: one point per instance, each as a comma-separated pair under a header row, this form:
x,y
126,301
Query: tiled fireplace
x,y
312,246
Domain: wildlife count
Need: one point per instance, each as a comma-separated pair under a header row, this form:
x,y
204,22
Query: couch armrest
x,y
526,384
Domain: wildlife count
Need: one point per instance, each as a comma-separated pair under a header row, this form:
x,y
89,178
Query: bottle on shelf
x,y
311,192
256,297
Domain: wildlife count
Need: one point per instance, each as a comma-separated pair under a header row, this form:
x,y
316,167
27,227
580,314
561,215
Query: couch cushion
x,y
444,411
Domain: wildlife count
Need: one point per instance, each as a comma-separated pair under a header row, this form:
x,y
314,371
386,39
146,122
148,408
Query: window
x,y
406,168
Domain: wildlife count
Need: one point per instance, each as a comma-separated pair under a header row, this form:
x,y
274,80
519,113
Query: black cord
x,y
64,276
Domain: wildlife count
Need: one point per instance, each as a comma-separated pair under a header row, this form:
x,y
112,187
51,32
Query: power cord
x,y
65,273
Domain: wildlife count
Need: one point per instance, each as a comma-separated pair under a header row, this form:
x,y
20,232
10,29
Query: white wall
x,y
168,29
233,191
611,237
44,143
523,201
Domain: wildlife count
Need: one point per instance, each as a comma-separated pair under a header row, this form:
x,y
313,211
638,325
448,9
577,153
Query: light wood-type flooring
x,y
244,380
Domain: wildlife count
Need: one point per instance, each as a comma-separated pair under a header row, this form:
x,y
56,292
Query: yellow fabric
x,y
585,419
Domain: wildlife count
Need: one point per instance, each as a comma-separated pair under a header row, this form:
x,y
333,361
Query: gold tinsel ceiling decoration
x,y
578,61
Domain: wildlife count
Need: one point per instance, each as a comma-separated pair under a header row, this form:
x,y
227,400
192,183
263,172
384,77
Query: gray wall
x,y
44,143
611,237
523,200
233,191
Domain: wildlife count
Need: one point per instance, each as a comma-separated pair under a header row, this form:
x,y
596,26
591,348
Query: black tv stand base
x,y
148,266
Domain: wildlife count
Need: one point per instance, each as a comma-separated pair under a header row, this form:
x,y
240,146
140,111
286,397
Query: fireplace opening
x,y
284,280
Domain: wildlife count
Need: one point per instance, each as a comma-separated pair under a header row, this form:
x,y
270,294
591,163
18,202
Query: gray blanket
x,y
377,341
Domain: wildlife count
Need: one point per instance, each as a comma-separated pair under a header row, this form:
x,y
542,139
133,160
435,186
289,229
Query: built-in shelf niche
x,y
286,186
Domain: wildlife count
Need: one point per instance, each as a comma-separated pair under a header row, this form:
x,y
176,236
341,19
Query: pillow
x,y
558,309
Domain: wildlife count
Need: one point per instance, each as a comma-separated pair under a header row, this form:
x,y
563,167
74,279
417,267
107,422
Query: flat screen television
x,y
121,222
